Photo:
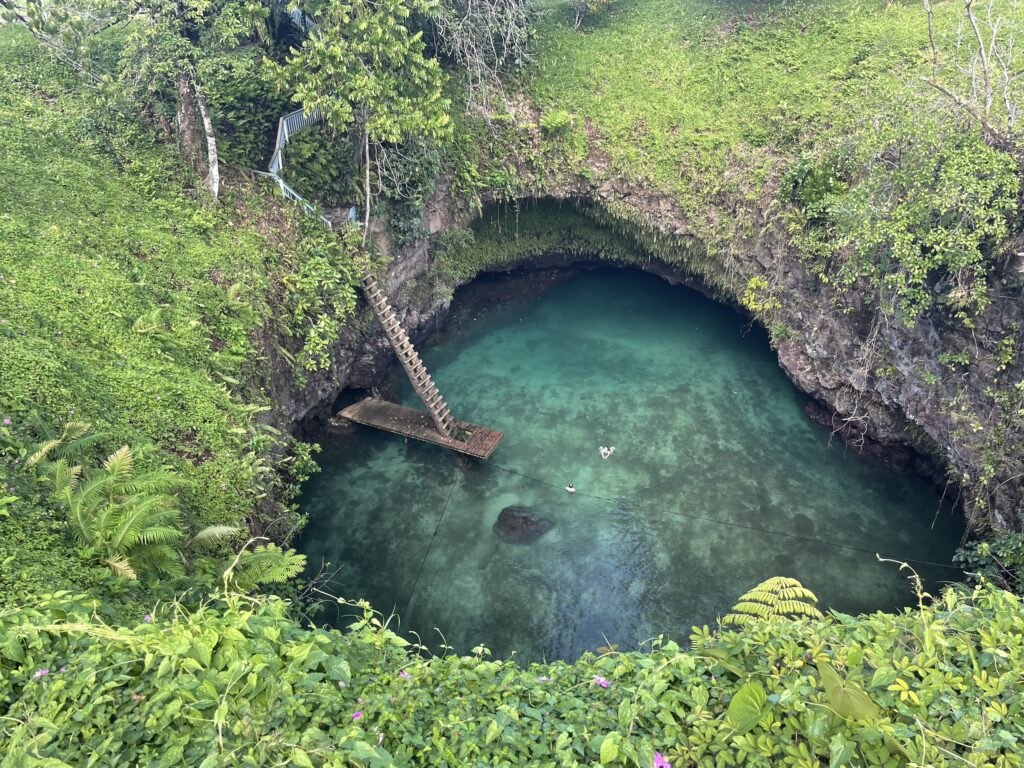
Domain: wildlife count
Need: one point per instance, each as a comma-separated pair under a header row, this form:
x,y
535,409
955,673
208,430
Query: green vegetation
x,y
507,235
126,303
815,113
238,682
130,302
774,598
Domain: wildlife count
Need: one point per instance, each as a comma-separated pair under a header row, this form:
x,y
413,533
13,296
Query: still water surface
x,y
707,431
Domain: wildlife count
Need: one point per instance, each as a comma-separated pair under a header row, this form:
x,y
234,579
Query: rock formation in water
x,y
519,525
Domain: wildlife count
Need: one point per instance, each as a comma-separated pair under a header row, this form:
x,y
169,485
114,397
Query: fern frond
x,y
158,557
64,476
798,608
41,452
94,490
214,533
75,430
146,521
738,620
753,609
776,597
119,464
797,593
265,565
76,448
121,567
82,521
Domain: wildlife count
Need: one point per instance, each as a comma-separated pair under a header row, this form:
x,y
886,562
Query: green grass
x,y
681,87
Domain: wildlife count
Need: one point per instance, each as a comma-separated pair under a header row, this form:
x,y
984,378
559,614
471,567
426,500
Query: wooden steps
x,y
425,388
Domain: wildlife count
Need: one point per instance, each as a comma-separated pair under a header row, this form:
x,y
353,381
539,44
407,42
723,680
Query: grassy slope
x,y
94,233
678,86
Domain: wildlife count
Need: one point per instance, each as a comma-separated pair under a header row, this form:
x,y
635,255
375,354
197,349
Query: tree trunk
x,y
366,159
212,180
189,140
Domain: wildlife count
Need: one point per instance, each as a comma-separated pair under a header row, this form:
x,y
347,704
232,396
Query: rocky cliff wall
x,y
938,390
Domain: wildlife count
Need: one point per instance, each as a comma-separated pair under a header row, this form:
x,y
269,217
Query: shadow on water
x,y
711,444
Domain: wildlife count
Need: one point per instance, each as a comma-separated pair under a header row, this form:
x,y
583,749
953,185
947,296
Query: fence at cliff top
x,y
289,125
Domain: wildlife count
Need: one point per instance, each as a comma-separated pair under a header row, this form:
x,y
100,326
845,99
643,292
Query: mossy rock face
x,y
519,524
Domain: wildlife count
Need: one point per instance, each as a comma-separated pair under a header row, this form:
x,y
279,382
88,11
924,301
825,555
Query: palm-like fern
x,y
128,520
70,444
263,565
774,598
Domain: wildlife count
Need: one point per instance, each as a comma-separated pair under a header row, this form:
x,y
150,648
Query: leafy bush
x,y
321,165
237,681
758,296
999,560
245,108
927,205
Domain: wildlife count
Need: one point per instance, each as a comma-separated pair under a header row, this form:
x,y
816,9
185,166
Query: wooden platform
x,y
409,422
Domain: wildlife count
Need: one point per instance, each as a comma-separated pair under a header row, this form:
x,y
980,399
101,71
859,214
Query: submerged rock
x,y
518,525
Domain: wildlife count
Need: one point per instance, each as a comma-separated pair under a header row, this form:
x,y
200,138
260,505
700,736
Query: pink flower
x,y
148,619
598,680
660,761
405,675
357,715
41,673
7,422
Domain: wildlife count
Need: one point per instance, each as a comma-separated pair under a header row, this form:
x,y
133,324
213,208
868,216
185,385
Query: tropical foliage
x,y
129,304
237,681
132,306
777,597
126,519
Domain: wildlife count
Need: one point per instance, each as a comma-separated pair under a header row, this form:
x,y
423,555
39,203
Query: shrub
x,y
236,681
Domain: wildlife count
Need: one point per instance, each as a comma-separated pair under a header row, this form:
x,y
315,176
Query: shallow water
x,y
709,435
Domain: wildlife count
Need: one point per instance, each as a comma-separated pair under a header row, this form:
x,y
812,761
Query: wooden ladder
x,y
425,388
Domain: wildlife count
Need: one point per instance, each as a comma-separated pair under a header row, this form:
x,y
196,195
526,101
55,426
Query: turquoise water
x,y
707,431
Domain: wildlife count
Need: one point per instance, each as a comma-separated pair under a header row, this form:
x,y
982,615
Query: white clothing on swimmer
x,y
607,451
570,488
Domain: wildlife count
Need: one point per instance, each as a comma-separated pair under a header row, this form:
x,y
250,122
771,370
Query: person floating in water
x,y
570,488
606,452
